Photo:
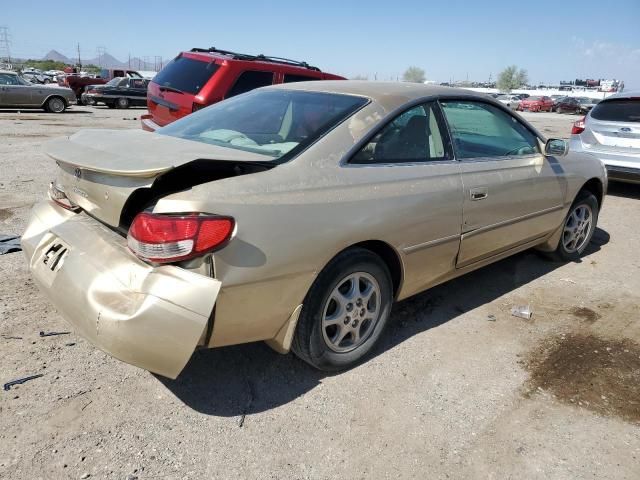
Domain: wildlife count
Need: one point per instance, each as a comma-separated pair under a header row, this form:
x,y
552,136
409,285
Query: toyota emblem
x,y
625,129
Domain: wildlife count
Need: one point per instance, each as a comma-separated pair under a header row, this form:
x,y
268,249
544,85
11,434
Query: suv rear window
x,y
250,80
186,74
290,78
623,110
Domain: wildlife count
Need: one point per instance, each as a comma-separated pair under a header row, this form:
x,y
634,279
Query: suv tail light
x,y
171,238
578,126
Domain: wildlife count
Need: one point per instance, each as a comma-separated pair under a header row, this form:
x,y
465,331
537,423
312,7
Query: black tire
x,y
55,105
309,342
122,103
110,104
562,253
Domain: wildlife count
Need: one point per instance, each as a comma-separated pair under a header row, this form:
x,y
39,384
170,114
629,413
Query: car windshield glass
x,y
186,74
272,122
622,110
535,99
114,81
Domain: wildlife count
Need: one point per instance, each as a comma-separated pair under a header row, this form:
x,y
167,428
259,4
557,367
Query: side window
x,y
248,81
8,79
118,73
137,83
124,83
413,136
482,130
290,78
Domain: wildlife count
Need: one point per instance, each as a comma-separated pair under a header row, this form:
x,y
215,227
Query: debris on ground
x,y
491,318
522,311
51,334
19,381
9,243
11,337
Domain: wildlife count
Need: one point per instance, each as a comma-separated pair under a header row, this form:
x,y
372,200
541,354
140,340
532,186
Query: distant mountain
x,y
106,61
57,57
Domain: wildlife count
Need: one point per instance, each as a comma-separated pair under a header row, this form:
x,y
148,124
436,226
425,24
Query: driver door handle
x,y
479,193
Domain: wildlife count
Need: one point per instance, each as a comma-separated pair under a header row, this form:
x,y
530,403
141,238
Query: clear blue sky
x,y
453,39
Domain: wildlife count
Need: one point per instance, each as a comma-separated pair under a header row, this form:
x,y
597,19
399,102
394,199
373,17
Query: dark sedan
x,y
578,105
119,92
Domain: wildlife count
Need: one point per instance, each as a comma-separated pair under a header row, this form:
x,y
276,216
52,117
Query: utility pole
x,y
100,51
5,45
129,61
79,61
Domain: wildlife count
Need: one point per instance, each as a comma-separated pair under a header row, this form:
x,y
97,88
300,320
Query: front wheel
x,y
578,228
345,311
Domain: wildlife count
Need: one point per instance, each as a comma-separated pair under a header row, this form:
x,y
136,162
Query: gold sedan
x,y
296,215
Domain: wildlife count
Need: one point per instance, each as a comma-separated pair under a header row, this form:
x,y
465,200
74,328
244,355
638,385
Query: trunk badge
x,y
77,173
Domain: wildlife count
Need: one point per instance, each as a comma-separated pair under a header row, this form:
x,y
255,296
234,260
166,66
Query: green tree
x,y
45,64
414,74
511,78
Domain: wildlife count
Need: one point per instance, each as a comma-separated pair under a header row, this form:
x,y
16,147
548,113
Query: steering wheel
x,y
524,150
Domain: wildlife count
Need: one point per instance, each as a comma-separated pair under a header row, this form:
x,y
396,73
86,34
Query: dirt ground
x,y
458,389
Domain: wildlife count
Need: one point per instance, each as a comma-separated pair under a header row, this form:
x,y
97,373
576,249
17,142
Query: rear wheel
x,y
122,102
345,311
55,105
578,228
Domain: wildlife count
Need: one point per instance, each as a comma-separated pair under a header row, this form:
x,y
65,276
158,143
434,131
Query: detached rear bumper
x,y
150,317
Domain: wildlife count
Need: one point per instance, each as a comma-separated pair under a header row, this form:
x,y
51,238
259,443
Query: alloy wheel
x,y
351,312
577,228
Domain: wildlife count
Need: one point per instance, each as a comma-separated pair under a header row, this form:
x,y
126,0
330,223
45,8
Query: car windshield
x,y
114,81
270,122
535,99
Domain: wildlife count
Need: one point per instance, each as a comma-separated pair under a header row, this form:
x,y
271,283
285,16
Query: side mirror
x,y
556,147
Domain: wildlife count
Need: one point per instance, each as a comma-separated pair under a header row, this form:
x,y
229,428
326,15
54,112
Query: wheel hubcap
x,y
577,228
351,312
57,105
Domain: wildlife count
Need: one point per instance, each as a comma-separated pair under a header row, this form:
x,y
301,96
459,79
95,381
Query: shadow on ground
x,y
619,189
72,111
252,378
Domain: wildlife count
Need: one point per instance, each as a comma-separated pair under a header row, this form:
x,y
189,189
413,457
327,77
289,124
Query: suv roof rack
x,y
261,57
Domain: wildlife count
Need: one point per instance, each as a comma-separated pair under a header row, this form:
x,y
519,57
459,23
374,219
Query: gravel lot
x,y
459,388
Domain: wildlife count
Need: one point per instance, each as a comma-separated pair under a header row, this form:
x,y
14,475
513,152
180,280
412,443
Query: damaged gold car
x,y
296,215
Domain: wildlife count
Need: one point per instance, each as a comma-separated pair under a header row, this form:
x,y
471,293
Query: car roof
x,y
629,94
387,93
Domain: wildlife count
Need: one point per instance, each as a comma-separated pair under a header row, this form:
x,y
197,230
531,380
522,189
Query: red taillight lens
x,y
578,126
56,194
168,238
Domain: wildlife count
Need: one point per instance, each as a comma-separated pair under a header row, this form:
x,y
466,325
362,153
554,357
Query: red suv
x,y
536,104
200,77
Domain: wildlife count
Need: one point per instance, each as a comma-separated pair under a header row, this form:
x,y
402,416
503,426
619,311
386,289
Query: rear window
x,y
290,78
623,110
274,123
186,74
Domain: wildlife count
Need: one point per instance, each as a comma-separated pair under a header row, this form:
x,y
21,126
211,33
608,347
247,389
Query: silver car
x,y
16,92
611,132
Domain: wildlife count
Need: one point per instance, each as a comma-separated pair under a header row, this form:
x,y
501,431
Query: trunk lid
x,y
114,174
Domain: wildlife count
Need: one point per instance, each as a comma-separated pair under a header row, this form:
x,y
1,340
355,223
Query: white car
x,y
511,101
611,132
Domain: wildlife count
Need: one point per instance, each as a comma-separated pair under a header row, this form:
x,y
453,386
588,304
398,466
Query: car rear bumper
x,y
152,317
148,124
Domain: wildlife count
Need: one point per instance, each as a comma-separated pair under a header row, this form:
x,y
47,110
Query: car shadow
x,y
621,189
252,378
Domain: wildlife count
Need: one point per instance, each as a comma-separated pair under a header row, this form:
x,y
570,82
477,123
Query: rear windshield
x,y
623,110
185,74
271,122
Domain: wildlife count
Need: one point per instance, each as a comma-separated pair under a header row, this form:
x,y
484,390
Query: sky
x,y
449,40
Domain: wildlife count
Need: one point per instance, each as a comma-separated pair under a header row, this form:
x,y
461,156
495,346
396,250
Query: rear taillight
x,y
578,126
57,195
170,238
197,106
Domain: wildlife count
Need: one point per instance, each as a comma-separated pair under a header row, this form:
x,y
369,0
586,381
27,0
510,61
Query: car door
x,y
416,187
14,91
513,194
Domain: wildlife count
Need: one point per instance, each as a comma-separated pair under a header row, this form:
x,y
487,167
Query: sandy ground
x,y
458,389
